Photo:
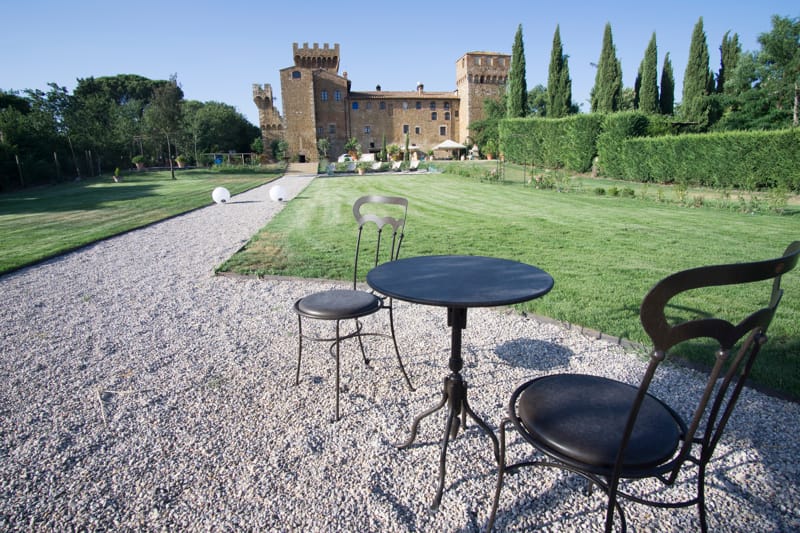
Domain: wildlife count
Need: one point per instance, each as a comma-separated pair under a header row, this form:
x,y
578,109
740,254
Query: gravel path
x,y
140,391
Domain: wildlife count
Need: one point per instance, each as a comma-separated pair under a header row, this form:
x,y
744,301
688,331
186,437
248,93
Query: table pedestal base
x,y
455,396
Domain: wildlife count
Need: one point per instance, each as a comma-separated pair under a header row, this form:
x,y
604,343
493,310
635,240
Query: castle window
x,y
332,129
434,115
405,106
382,105
418,105
337,95
367,130
501,61
296,74
324,95
433,106
447,105
477,61
319,131
443,131
417,130
405,128
369,105
355,105
455,113
447,115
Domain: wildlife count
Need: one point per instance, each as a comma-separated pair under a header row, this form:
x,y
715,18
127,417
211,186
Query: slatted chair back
x,y
364,211
732,365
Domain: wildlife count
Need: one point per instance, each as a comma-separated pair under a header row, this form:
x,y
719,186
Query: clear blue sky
x,y
219,49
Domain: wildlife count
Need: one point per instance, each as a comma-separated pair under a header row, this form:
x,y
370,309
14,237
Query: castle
x,y
318,103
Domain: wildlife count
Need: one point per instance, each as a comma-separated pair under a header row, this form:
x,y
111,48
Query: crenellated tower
x,y
269,119
479,75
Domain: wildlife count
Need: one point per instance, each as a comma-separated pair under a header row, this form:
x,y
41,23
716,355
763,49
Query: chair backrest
x,y
364,212
731,369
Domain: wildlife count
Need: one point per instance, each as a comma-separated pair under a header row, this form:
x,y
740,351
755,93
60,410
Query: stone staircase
x,y
301,169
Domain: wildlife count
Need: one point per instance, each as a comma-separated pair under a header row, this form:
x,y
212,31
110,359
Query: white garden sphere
x,y
277,193
221,195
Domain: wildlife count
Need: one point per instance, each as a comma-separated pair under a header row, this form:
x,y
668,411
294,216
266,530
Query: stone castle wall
x,y
318,103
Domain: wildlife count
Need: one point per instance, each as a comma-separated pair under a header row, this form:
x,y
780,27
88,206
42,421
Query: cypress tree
x,y
559,85
729,52
607,91
666,101
698,81
648,90
517,105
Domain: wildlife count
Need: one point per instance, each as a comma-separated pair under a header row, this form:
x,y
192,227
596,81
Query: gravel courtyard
x,y
139,391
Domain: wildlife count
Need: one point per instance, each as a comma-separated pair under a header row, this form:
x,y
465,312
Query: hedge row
x,y
637,147
740,160
540,142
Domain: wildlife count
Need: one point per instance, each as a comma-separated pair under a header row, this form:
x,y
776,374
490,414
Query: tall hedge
x,y
552,143
640,147
739,160
617,128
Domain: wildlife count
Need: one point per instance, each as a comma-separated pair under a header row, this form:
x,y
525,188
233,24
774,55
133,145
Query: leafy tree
x,y
698,81
780,57
762,92
648,89
163,115
486,130
729,52
217,127
607,90
257,145
12,99
537,101
517,86
559,84
666,99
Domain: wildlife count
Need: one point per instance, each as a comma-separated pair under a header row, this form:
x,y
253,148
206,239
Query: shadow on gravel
x,y
533,354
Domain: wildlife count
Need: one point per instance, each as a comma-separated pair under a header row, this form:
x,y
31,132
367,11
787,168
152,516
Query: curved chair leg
x,y
501,470
701,497
397,350
299,348
338,343
360,342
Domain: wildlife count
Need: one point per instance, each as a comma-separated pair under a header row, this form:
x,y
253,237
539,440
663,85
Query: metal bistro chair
x,y
345,304
608,431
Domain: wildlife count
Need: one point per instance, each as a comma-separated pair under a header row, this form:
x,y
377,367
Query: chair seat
x,y
337,304
581,418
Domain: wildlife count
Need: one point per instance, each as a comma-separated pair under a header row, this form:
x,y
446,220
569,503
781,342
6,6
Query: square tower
x,y
479,75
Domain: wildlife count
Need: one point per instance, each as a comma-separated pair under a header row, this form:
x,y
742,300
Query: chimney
x,y
420,87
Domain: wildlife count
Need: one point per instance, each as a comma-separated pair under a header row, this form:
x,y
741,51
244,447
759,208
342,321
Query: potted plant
x,y
138,160
353,147
363,166
490,149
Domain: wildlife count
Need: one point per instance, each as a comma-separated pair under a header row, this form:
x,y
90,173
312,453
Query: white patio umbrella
x,y
450,145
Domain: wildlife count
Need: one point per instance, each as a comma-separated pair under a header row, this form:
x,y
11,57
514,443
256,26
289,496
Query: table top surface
x,y
460,280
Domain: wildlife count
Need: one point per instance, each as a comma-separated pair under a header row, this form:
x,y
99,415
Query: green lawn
x,y
603,252
43,222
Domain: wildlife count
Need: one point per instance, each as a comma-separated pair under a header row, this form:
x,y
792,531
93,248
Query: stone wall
x,y
318,103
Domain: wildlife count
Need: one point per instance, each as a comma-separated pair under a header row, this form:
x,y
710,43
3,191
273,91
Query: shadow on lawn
x,y
81,196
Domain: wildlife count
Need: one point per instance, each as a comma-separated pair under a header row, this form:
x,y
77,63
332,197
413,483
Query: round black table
x,y
458,282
